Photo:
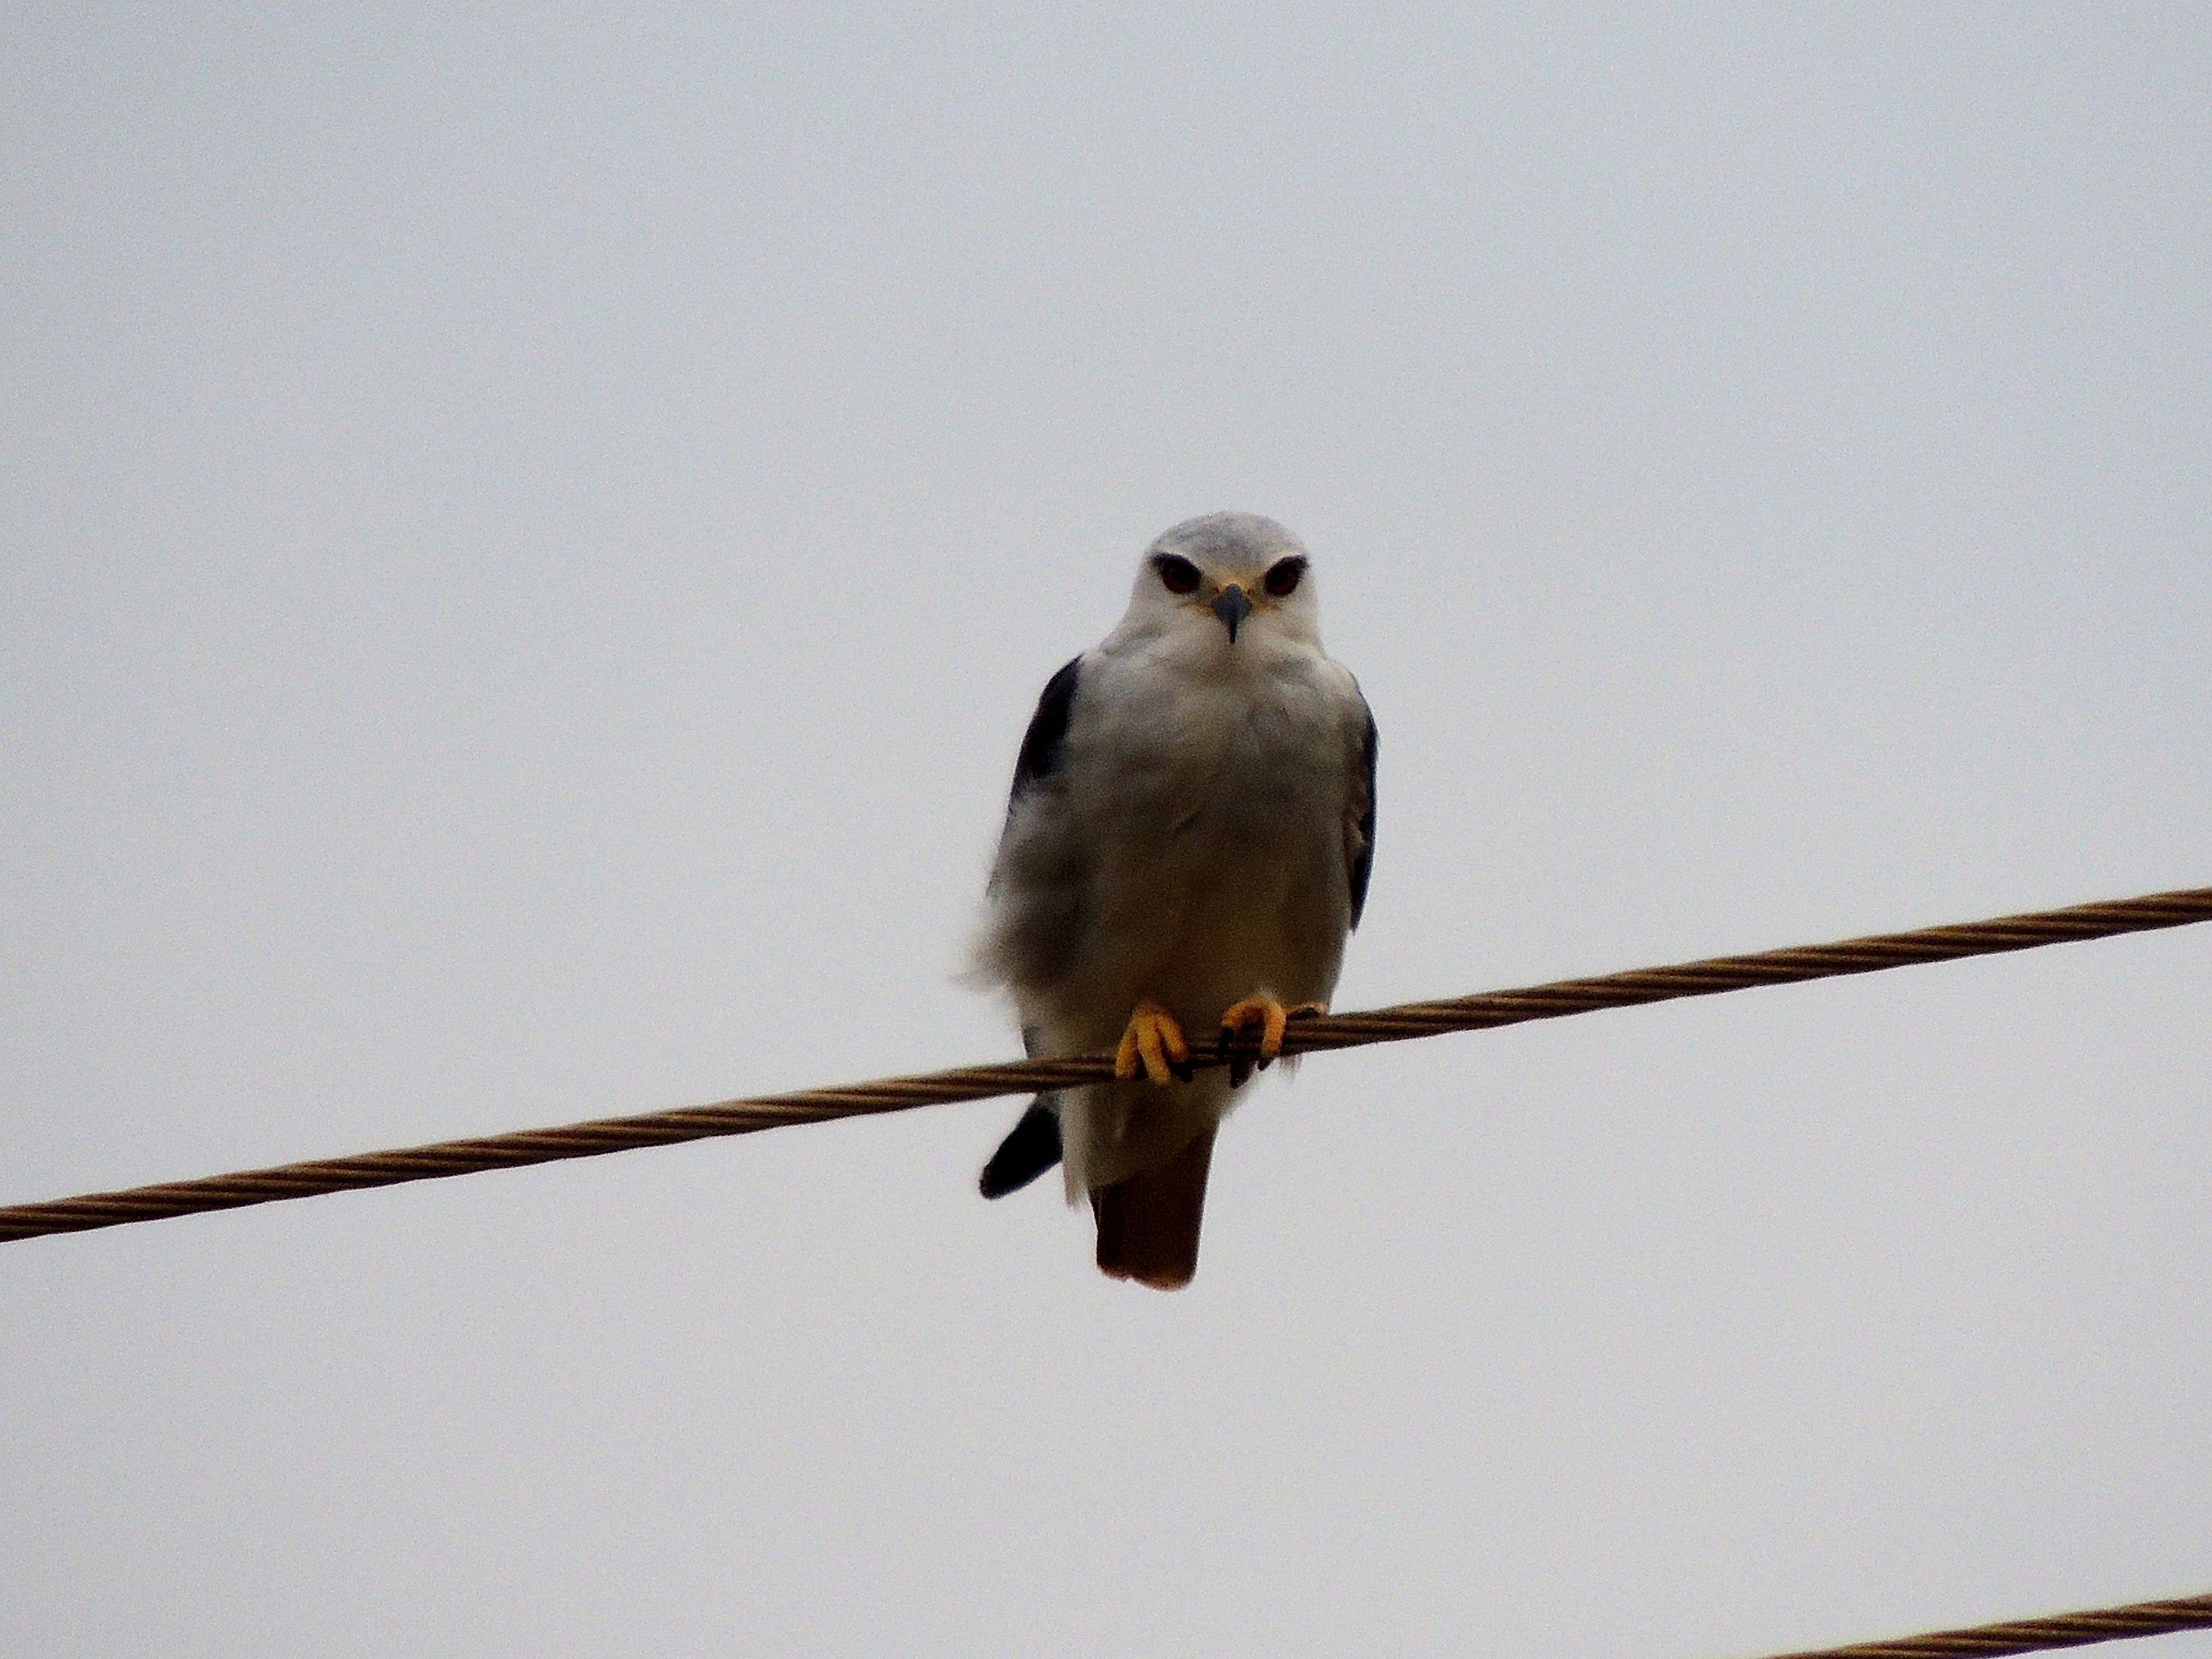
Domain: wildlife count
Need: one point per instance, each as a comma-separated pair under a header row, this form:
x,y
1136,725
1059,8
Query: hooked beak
x,y
1232,607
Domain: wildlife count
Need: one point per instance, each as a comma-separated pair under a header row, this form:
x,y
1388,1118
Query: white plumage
x,y
1189,836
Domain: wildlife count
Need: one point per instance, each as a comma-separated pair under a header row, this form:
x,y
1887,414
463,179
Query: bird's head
x,y
1234,580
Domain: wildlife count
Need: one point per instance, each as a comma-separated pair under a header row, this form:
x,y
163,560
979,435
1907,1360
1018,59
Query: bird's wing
x,y
1043,742
1359,817
1033,1145
1030,1148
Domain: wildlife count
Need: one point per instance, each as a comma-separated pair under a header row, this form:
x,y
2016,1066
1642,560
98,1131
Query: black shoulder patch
x,y
1041,744
1364,865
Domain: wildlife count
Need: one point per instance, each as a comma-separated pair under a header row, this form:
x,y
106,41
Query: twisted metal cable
x,y
2062,1630
1410,1020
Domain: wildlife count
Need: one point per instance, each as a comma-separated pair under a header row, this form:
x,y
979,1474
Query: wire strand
x,y
1399,1024
2060,1630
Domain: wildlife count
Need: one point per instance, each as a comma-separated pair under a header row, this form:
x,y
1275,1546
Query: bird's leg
x,y
1154,1044
1269,1017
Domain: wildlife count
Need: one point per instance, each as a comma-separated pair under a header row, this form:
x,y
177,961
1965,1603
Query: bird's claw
x,y
1153,1044
1240,1046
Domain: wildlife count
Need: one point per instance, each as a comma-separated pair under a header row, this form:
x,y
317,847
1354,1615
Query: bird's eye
x,y
1283,577
1176,576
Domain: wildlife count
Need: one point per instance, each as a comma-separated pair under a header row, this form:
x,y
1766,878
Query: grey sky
x,y
531,539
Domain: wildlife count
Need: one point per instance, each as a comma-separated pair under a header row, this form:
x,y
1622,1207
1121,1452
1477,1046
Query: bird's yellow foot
x,y
1253,1030
1154,1044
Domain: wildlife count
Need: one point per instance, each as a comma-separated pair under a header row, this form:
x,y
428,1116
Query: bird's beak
x,y
1232,607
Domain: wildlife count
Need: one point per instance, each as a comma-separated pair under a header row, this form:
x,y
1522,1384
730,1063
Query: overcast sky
x,y
530,538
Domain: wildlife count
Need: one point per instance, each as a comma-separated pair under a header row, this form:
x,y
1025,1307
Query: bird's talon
x,y
1252,1033
1154,1044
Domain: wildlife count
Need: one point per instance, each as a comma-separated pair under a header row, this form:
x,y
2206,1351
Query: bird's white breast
x,y
1214,803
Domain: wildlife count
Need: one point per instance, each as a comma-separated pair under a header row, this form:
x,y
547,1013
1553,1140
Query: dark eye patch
x,y
1177,576
1284,576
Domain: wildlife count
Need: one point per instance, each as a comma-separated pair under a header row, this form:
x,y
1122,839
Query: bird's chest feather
x,y
1223,801
1222,768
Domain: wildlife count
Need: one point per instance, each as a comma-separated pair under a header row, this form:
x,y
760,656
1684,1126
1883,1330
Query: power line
x,y
2061,1630
1410,1020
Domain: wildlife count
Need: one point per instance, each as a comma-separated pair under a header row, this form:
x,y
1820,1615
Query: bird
x,y
1186,849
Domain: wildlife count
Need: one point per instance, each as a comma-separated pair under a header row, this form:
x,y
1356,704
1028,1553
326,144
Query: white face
x,y
1231,581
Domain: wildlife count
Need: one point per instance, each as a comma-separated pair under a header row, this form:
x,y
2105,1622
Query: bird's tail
x,y
1030,1148
1148,1223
